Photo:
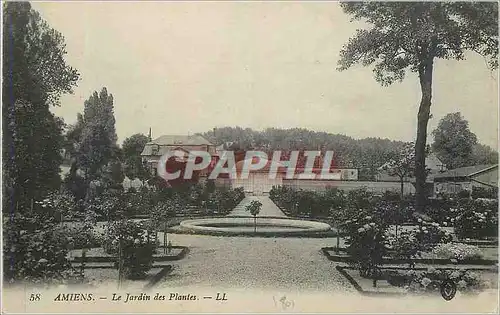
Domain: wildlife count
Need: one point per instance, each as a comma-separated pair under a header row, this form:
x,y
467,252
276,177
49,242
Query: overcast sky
x,y
186,67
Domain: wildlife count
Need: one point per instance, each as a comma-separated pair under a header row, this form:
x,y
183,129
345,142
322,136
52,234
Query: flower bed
x,y
100,255
342,255
401,281
457,251
430,280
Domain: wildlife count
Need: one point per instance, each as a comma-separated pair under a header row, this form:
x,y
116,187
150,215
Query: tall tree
x,y
132,148
453,141
484,154
411,36
97,145
35,75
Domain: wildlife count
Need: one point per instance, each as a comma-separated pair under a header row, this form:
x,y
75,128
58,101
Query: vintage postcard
x,y
249,157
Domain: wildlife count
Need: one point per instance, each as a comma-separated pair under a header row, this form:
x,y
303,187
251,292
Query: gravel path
x,y
269,209
239,262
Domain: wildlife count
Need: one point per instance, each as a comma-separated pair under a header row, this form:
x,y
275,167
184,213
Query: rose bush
x,y
35,250
135,245
431,234
477,219
457,251
366,242
404,246
430,280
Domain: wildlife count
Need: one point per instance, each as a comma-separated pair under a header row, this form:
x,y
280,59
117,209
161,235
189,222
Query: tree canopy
x,y
97,146
404,34
410,36
454,142
132,148
35,75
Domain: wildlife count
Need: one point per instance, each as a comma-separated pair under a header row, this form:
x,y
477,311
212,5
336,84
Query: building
x,y
258,182
432,164
154,149
465,179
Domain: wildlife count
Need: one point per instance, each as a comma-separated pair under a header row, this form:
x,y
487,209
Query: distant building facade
x,y
465,179
258,182
432,164
154,149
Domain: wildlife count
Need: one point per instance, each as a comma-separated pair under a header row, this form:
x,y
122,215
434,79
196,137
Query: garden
x,y
111,235
386,249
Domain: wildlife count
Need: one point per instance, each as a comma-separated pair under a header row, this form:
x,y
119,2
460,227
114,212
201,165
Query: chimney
x,y
150,135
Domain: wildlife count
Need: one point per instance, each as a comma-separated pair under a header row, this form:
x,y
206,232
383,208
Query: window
x,y
155,149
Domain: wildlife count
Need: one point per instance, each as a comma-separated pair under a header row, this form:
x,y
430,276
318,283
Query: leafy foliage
x,y
457,251
132,148
35,250
367,154
254,207
166,209
477,219
97,146
454,142
483,154
136,247
35,75
404,165
410,36
404,35
431,279
366,241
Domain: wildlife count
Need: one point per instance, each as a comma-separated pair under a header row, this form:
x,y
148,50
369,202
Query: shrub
x,y
390,195
137,247
366,242
60,204
359,198
81,236
107,206
464,194
431,280
139,202
477,219
481,192
441,210
457,251
405,246
429,235
35,250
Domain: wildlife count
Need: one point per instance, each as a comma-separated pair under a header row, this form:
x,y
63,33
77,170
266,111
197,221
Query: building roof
x,y
466,171
180,140
173,140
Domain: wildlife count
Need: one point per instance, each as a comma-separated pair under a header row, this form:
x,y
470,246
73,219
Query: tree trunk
x,y
425,76
255,224
398,215
402,189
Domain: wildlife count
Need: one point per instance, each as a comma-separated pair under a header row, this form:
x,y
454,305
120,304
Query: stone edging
x,y
181,255
427,261
257,234
107,262
159,276
355,284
